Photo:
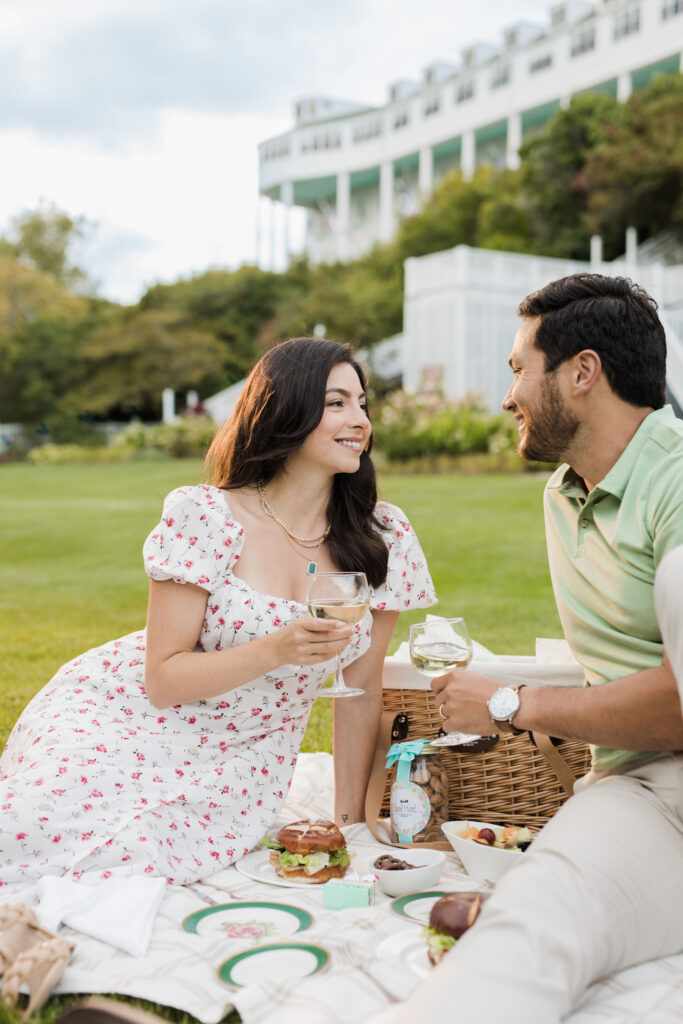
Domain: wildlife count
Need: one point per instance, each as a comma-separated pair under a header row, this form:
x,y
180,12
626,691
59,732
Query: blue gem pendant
x,y
312,567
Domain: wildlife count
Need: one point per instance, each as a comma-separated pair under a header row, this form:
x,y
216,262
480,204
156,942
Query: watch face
x,y
503,704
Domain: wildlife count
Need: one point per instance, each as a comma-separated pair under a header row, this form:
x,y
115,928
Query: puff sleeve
x,y
408,583
196,540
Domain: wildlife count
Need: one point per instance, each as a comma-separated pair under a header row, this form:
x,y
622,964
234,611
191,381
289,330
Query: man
x,y
601,888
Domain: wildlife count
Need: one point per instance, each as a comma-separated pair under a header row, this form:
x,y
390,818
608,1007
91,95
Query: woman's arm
x,y
356,720
176,673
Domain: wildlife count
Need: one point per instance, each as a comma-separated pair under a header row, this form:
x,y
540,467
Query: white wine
x,y
342,609
436,658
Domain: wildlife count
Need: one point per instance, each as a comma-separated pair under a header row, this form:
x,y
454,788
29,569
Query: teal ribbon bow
x,y
404,754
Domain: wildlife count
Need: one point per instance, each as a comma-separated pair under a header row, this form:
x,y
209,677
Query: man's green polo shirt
x,y
603,549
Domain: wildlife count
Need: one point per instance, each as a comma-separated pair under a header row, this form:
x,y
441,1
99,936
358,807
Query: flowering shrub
x,y
426,426
189,437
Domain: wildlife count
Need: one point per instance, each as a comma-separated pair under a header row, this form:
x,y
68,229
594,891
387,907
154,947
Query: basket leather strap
x,y
376,786
556,761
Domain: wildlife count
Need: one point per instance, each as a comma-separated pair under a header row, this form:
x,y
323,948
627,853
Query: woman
x,y
170,751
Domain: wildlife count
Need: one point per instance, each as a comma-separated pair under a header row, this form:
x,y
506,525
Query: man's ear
x,y
585,371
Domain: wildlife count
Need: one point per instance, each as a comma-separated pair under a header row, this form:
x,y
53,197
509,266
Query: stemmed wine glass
x,y
438,646
344,596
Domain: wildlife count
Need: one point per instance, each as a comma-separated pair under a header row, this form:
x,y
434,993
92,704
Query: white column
x,y
386,201
596,251
623,87
168,406
514,141
631,247
425,174
287,198
272,241
343,212
468,154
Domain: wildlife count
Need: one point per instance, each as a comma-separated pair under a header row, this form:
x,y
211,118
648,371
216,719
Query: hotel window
x,y
401,119
465,91
540,64
627,23
367,130
671,9
432,106
501,76
583,42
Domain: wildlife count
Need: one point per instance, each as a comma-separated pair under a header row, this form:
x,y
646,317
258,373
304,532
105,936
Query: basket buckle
x,y
399,727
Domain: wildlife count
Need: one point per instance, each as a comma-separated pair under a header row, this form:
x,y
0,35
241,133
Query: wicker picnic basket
x,y
521,780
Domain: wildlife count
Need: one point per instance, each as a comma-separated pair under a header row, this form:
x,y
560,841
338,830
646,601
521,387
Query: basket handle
x,y
555,760
378,778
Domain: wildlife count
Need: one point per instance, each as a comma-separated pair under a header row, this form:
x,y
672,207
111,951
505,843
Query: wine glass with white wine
x,y
438,646
344,596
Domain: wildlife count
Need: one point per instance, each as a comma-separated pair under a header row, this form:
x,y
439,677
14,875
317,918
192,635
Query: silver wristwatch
x,y
503,705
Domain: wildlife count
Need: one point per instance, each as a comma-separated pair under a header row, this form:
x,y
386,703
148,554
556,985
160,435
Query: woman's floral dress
x,y
96,780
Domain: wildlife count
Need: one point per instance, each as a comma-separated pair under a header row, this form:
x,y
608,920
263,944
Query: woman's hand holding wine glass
x,y
344,596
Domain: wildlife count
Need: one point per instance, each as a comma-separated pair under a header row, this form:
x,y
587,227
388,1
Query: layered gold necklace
x,y
312,543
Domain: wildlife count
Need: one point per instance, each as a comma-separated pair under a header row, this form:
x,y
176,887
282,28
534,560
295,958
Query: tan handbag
x,y
521,780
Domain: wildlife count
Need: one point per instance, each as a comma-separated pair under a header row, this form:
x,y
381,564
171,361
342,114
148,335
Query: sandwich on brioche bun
x,y
309,851
450,918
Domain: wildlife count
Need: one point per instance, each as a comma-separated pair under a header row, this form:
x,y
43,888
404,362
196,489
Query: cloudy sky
x,y
144,116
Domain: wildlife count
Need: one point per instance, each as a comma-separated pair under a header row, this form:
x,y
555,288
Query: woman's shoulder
x,y
203,497
391,517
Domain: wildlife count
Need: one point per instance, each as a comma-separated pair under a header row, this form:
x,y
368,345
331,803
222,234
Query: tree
x,y
634,176
230,305
134,354
553,178
41,239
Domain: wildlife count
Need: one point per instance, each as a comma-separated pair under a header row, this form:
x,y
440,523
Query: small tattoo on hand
x,y
345,817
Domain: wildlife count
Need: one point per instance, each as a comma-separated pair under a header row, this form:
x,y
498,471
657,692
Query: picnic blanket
x,y
180,967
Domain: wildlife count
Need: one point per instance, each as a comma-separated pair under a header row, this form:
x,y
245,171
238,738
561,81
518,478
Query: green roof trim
x,y
493,132
536,117
608,88
312,191
641,77
450,147
406,163
365,178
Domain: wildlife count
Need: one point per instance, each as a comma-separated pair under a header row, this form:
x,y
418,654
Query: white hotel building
x,y
357,169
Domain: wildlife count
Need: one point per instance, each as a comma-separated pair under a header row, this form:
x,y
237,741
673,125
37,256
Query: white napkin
x,y
120,911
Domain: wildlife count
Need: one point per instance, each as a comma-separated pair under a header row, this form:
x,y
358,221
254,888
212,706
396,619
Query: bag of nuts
x,y
419,792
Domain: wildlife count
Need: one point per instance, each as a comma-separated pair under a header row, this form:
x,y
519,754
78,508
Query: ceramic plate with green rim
x,y
253,920
278,961
417,906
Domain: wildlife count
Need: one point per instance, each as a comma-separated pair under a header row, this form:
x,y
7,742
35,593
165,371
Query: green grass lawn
x,y
71,573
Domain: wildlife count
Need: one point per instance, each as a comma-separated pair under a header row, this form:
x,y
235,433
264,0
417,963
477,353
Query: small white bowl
x,y
485,863
402,883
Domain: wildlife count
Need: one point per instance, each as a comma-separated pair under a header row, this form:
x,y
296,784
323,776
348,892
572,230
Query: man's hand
x,y
462,696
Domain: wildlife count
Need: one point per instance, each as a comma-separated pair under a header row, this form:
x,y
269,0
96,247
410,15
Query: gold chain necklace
x,y
304,542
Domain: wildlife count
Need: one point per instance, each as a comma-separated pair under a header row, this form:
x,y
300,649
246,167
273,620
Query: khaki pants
x,y
669,606
600,889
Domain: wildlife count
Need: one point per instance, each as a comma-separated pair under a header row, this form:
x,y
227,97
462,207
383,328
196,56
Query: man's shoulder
x,y
667,435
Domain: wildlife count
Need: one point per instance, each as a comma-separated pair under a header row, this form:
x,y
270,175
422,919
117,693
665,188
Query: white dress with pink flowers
x,y
96,780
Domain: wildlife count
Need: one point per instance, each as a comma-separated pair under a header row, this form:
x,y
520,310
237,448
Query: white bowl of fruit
x,y
487,851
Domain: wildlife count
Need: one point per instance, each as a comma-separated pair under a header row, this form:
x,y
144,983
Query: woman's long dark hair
x,y
282,401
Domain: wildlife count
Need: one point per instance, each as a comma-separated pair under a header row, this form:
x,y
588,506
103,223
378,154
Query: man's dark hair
x,y
614,317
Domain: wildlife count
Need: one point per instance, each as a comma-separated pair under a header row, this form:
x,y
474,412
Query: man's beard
x,y
551,429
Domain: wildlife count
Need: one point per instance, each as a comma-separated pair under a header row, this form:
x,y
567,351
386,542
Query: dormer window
x,y
432,106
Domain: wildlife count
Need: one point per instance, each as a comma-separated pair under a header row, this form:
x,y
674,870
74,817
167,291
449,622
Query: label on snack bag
x,y
410,810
